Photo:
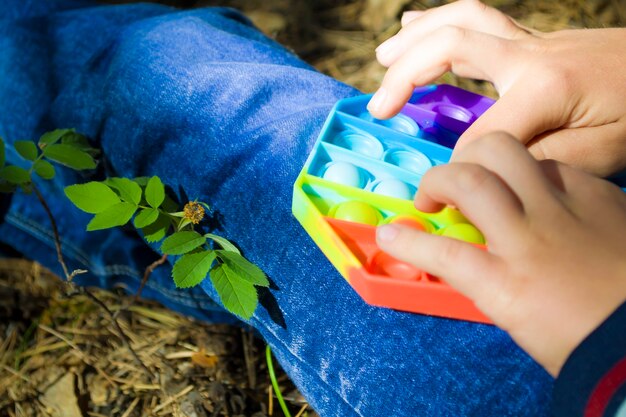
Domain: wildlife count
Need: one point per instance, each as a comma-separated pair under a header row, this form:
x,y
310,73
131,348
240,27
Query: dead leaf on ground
x,y
204,360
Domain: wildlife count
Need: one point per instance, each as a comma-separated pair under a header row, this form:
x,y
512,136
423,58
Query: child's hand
x,y
556,261
561,93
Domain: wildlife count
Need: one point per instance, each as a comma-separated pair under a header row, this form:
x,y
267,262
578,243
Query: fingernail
x,y
386,48
378,100
408,17
387,233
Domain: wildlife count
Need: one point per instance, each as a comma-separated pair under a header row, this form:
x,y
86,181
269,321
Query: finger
x,y
465,52
408,17
467,14
580,148
478,193
474,272
505,156
523,111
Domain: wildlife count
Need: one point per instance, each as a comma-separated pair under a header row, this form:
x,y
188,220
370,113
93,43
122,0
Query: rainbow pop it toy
x,y
364,172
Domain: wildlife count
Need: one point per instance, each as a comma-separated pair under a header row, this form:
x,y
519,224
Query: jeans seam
x,y
31,226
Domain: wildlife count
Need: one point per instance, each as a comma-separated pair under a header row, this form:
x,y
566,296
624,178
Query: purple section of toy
x,y
446,106
437,113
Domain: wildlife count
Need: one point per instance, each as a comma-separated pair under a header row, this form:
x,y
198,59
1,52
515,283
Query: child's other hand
x,y
561,93
556,261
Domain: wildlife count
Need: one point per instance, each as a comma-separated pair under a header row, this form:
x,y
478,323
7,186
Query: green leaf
x,y
69,156
142,181
157,230
183,223
26,149
146,217
116,215
129,190
189,270
2,155
223,242
44,169
92,197
155,192
182,242
15,175
50,138
238,296
245,269
76,140
80,142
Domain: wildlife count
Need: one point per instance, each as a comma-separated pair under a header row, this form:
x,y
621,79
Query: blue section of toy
x,y
389,157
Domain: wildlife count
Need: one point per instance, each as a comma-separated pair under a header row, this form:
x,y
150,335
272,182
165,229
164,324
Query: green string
x,y
270,368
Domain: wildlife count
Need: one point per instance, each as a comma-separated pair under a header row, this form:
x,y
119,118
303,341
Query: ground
x,y
62,356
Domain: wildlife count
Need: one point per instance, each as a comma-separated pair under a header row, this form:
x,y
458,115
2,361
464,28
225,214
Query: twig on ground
x,y
302,410
246,338
270,400
131,407
181,394
120,331
78,350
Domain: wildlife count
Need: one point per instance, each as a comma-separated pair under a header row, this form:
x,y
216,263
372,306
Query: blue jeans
x,y
225,115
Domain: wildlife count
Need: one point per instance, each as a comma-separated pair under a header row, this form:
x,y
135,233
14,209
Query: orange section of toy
x,y
386,281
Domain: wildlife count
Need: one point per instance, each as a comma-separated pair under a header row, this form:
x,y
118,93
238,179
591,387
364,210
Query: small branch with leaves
x,y
74,152
115,202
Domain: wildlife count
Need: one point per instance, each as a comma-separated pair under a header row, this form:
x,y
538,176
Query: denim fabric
x,y
225,115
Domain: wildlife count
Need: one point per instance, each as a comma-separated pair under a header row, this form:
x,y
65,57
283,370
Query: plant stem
x,y
55,230
147,273
270,368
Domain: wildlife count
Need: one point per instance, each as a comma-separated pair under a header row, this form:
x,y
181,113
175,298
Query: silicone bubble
x,y
395,188
411,221
463,231
454,112
356,211
413,161
399,123
384,264
345,173
359,142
